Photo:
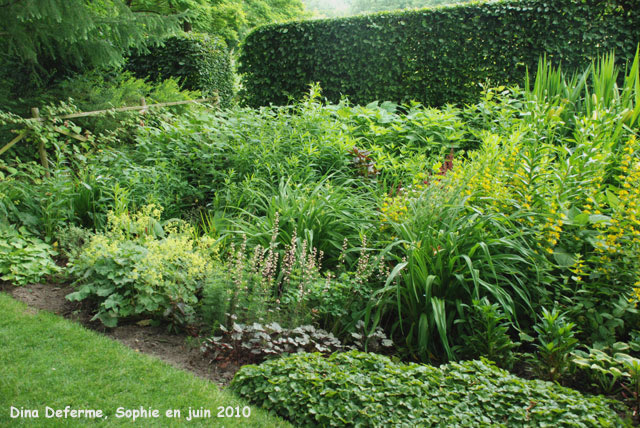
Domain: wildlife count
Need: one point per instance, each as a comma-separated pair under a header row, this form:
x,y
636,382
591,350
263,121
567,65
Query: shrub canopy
x,y
198,61
435,56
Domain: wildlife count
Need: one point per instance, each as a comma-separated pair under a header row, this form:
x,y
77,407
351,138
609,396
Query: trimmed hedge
x,y
434,56
198,61
359,389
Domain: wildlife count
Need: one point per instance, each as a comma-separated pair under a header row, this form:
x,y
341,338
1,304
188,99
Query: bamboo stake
x,y
131,108
70,134
12,142
43,153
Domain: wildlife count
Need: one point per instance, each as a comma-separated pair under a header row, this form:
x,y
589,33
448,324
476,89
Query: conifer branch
x,y
11,3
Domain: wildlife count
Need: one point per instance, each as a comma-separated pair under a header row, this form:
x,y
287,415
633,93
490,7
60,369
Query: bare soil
x,y
178,350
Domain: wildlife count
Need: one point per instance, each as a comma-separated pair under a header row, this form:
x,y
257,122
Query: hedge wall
x,y
435,56
198,61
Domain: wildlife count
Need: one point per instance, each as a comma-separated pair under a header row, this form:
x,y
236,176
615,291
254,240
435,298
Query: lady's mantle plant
x,y
142,267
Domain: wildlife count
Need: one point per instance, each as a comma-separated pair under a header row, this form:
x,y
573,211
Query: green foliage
x,y
602,366
322,214
46,37
46,204
595,91
486,333
102,91
372,390
198,61
509,199
71,239
420,55
370,6
24,259
555,342
199,15
451,255
140,267
400,139
77,193
613,370
227,19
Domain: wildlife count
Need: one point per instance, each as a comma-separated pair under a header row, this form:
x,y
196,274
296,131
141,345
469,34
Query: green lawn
x,y
47,361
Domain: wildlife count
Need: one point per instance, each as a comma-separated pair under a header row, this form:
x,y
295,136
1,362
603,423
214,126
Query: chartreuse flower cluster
x,y
618,244
142,267
564,198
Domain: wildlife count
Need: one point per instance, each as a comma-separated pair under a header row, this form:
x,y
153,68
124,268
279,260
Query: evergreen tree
x,y
228,19
48,37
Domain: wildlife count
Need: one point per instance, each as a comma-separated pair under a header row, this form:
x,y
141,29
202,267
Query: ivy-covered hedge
x,y
365,390
435,56
198,61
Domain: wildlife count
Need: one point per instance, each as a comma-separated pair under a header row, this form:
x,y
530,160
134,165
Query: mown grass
x,y
48,361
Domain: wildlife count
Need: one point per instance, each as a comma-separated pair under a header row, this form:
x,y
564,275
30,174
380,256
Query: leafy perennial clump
x,y
142,267
24,258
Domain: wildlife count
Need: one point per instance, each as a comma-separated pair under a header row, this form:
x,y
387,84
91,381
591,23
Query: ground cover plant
x,y
372,390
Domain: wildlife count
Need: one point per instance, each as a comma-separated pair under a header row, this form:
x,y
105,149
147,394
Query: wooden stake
x,y
35,112
12,142
69,134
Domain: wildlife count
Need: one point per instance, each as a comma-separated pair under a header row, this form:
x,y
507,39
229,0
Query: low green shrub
x,y
198,61
372,390
24,259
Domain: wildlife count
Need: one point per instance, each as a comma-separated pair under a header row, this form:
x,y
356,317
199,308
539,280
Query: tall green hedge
x,y
435,56
198,61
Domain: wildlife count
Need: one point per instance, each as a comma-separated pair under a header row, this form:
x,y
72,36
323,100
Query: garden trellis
x,y
35,112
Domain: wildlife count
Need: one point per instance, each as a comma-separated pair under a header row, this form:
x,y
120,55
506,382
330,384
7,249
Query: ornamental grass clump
x,y
144,268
